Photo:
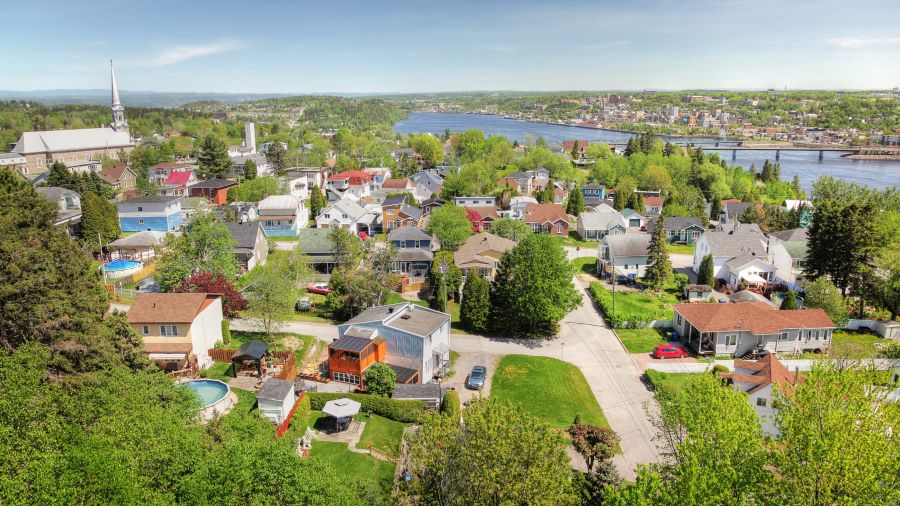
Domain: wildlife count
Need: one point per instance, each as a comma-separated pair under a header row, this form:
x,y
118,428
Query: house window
x,y
418,244
730,339
145,329
559,229
678,319
346,378
140,222
168,330
761,402
140,208
783,336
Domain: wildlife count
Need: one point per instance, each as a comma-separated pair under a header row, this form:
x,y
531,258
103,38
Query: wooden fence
x,y
288,372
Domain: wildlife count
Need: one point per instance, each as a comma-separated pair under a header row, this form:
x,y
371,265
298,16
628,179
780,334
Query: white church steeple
x,y
118,112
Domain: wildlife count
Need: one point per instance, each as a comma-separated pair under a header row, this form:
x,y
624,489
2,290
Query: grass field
x,y
574,240
355,465
675,382
852,344
585,265
551,390
680,249
298,343
640,340
381,433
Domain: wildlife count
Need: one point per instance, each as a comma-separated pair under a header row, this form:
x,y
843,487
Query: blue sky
x,y
384,46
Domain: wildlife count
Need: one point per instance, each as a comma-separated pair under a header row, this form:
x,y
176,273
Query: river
x,y
874,173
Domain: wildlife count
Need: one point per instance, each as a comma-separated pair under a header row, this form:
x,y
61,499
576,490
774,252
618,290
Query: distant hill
x,y
132,98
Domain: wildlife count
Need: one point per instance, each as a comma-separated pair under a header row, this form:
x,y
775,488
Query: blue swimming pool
x,y
121,265
211,391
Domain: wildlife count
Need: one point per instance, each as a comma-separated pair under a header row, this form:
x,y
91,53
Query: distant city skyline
x,y
427,47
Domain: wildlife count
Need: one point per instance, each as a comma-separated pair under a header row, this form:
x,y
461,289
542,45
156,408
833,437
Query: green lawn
x,y
672,381
643,305
219,371
640,340
680,249
396,298
381,433
852,344
585,265
354,465
549,389
575,240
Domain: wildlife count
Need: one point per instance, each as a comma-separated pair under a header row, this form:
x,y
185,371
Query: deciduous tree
x,y
233,301
450,225
205,245
380,379
510,229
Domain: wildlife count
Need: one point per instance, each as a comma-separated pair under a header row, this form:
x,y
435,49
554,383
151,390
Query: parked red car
x,y
320,288
664,351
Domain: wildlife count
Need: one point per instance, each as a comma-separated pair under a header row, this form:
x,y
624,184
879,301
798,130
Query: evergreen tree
x,y
575,204
249,170
790,300
699,156
715,209
476,304
632,147
659,268
212,157
439,302
60,176
636,201
798,188
766,174
707,274
317,202
99,221
275,156
574,153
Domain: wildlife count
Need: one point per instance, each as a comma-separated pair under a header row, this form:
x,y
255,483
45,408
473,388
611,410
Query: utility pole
x,y
613,262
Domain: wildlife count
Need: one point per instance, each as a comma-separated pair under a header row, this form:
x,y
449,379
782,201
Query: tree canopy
x,y
450,225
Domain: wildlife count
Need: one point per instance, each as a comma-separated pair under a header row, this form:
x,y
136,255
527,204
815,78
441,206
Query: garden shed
x,y
252,351
276,399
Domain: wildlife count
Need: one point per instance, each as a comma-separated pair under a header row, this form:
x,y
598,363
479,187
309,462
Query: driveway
x,y
684,264
464,364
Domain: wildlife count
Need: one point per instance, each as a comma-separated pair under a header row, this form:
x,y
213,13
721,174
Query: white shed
x,y
276,398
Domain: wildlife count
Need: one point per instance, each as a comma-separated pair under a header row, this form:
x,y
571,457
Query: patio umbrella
x,y
341,408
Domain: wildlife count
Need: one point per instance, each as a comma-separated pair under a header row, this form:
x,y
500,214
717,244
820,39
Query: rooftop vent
x,y
390,310
406,317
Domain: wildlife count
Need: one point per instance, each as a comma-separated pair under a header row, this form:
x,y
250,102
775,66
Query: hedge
x,y
450,405
719,368
226,332
623,319
397,410
303,408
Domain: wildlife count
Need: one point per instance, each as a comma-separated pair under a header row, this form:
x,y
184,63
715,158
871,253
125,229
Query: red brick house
x,y
547,218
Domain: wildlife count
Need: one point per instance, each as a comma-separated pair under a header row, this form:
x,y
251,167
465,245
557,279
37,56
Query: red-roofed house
x,y
403,185
177,183
580,145
481,217
653,204
739,328
355,182
120,177
547,218
759,379
160,172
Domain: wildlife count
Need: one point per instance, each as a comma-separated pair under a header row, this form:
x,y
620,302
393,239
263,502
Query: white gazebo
x,y
342,410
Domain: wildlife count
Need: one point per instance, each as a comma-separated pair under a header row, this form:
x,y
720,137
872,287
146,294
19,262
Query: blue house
x,y
160,213
415,251
593,190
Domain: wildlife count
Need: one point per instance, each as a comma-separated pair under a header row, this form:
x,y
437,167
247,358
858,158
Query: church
x,y
38,150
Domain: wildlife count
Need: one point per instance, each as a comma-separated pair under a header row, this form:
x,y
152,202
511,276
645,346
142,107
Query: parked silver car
x,y
477,377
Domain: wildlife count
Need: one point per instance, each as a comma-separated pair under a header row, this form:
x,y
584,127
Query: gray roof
x,y
363,332
314,241
734,244
349,207
413,211
628,213
740,261
592,186
214,184
414,391
352,344
275,389
145,239
414,255
792,235
244,234
600,221
54,193
628,245
677,223
393,200
72,140
735,209
405,316
258,159
377,313
152,199
408,234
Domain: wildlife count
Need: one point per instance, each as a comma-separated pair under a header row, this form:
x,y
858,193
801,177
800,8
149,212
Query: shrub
x,y
380,380
450,405
226,332
681,280
719,368
303,408
397,410
578,420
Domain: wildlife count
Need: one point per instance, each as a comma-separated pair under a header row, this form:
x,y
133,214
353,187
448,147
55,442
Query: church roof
x,y
71,140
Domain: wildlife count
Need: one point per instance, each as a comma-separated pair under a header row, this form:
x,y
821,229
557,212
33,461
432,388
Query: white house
x,y
760,379
750,269
725,246
342,214
592,226
282,215
787,252
276,399
518,205
624,254
483,201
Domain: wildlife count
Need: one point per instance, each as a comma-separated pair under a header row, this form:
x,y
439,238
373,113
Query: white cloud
x,y
180,53
861,42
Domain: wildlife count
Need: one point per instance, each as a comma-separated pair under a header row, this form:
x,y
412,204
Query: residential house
x,y
591,190
68,208
316,177
598,206
178,182
318,248
415,251
518,181
787,251
634,219
475,201
593,226
743,327
404,185
559,193
736,253
482,217
353,182
429,205
379,176
190,206
121,178
178,329
760,379
547,218
342,214
417,342
282,215
732,210
653,205
396,213
263,167
680,230
240,212
160,172
161,213
214,190
428,181
138,246
251,244
697,293
480,254
626,255
518,205
578,146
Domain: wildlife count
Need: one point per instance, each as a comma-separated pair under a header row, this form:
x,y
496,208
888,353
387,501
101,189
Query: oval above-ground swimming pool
x,y
215,394
120,268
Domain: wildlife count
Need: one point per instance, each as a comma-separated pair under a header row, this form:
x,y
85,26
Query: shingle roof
x,y
416,391
277,202
408,234
735,209
314,241
628,245
757,317
677,223
413,255
601,220
145,239
475,245
214,184
168,307
744,259
350,208
792,235
766,371
393,200
734,244
395,184
112,174
54,193
485,211
422,321
544,213
275,389
244,234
